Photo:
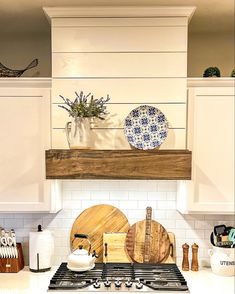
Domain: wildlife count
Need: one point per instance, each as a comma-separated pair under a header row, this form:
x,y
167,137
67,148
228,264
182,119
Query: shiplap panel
x,y
175,114
115,139
119,65
107,39
119,22
168,90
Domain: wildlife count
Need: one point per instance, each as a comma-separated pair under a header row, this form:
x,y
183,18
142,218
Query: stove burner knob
x,y
139,285
118,283
96,284
107,283
128,283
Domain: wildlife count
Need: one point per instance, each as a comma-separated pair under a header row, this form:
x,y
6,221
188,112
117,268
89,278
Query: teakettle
x,y
81,260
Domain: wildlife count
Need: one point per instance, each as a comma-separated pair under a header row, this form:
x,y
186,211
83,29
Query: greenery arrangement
x,y
211,72
233,73
86,106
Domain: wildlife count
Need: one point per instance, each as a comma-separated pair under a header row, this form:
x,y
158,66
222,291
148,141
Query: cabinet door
x,y
211,139
24,136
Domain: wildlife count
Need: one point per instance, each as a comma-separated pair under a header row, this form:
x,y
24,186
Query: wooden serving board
x,y
151,233
114,248
94,222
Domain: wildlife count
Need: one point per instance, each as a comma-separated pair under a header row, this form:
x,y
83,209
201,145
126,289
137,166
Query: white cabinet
x,y
211,140
24,136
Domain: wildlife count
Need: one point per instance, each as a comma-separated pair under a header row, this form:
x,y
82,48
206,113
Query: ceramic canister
x,y
222,261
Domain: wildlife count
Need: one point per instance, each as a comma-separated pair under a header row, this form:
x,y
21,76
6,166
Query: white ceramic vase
x,y
78,133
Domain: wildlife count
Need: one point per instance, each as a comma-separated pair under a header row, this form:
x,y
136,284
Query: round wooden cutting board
x,y
158,242
95,221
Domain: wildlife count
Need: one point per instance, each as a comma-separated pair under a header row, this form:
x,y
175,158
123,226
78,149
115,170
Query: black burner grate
x,y
156,277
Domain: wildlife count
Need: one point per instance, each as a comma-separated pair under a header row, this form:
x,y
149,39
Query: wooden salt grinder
x,y
185,262
194,265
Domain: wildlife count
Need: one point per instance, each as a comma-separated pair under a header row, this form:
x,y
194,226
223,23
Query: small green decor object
x,y
211,72
85,106
233,73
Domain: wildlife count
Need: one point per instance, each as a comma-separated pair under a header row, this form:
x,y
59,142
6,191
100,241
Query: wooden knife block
x,y
12,265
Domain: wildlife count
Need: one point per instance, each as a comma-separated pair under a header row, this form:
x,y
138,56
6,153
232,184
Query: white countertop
x,y
26,282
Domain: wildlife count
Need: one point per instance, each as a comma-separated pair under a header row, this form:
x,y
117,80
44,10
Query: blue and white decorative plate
x,y
146,127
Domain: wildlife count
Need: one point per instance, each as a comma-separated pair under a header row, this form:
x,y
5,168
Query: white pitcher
x,y
78,133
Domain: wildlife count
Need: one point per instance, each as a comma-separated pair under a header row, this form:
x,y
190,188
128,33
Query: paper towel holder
x,y
36,255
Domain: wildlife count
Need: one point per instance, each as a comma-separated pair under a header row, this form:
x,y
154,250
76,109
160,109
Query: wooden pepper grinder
x,y
185,262
194,265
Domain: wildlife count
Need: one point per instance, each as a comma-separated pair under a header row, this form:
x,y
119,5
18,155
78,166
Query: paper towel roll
x,y
41,248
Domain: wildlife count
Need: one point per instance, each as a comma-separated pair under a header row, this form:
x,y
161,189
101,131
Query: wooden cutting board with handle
x,y
114,248
147,241
94,222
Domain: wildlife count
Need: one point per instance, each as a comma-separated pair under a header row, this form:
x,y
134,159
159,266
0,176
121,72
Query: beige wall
x,y
205,50
18,50
212,49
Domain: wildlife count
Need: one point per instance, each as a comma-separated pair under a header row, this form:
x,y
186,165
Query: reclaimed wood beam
x,y
118,164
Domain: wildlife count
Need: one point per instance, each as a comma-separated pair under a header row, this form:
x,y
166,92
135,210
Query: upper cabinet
x,y
210,137
24,136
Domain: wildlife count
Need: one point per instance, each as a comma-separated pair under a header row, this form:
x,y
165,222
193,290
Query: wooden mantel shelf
x,y
118,164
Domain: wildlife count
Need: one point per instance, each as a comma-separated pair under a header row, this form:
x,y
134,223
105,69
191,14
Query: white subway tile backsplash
x,y
156,195
174,214
32,223
171,196
99,195
166,204
109,185
67,195
195,234
179,233
132,197
81,195
111,202
137,214
137,195
199,224
147,186
168,224
64,213
72,185
166,186
93,185
128,204
158,215
88,203
182,224
119,195
75,213
16,223
145,203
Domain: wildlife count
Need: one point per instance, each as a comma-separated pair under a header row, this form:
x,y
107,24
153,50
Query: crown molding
x,y
210,82
120,11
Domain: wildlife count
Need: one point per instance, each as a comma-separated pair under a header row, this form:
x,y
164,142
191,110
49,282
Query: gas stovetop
x,y
124,277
